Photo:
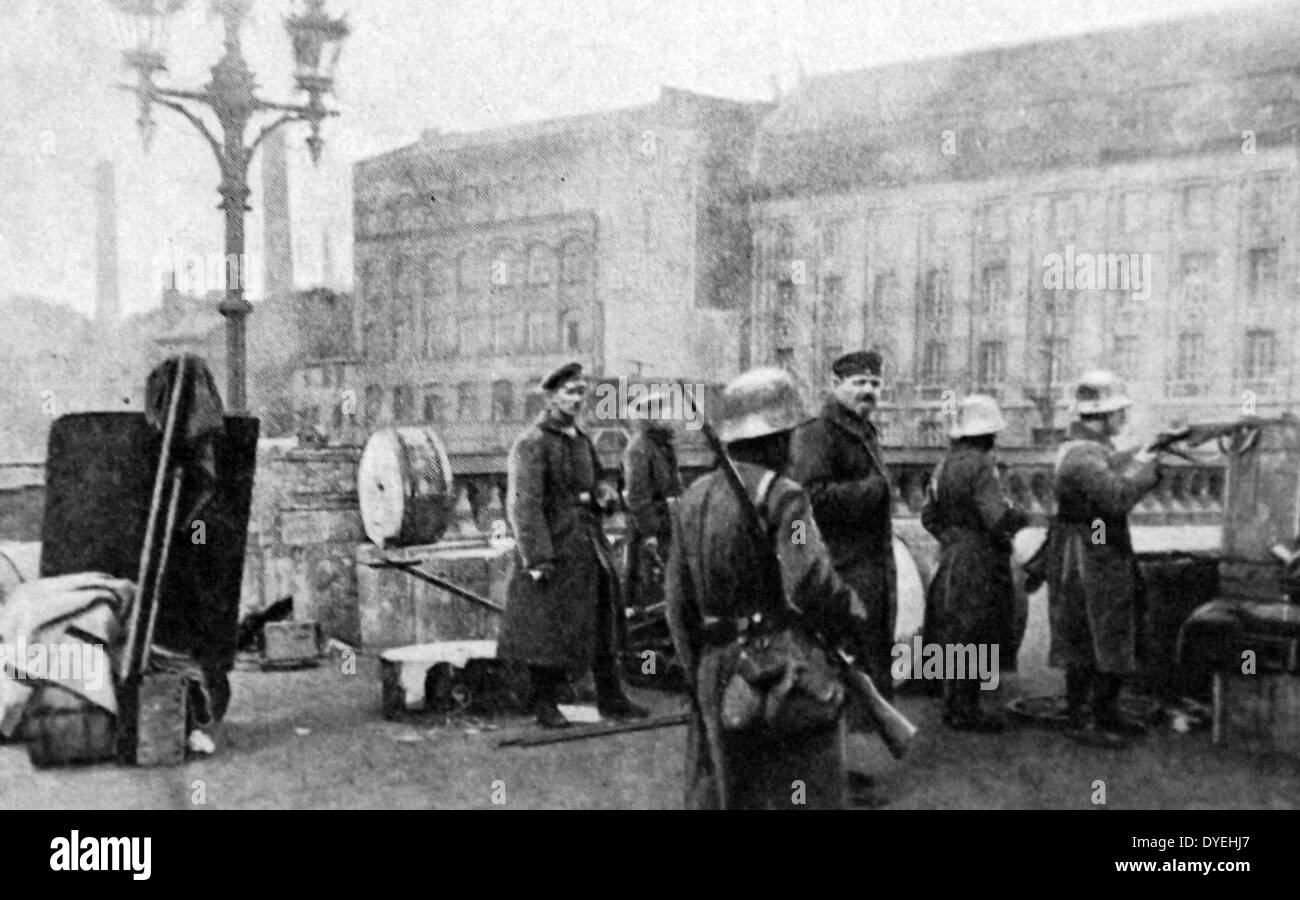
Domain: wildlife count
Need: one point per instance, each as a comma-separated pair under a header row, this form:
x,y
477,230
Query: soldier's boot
x,y
1078,681
962,708
1107,713
611,702
546,689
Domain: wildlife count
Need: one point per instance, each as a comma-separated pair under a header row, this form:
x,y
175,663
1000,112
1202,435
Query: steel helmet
x,y
977,414
1100,391
758,403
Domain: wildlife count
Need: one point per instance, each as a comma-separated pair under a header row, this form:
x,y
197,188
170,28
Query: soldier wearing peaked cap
x,y
837,459
755,743
563,599
971,599
1092,574
652,482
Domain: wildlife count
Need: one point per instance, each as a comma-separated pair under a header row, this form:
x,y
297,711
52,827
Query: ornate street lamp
x,y
231,95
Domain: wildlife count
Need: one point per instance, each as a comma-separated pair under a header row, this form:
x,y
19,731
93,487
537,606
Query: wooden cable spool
x,y
405,488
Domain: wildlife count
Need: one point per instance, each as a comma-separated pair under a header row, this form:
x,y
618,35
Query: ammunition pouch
x,y
782,682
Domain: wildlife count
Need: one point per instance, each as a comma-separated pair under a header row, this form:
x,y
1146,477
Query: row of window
x,y
443,334
1195,206
1195,289
501,270
437,404
1189,363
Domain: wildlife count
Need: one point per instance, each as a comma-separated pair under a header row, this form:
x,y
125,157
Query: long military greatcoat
x,y
972,597
651,479
1092,575
837,459
552,508
714,573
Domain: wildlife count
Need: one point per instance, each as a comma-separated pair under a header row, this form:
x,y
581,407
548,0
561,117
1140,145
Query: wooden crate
x,y
161,734
290,644
63,729
1260,713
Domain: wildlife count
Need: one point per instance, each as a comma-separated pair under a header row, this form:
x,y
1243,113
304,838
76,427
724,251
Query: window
x,y
1265,194
575,263
540,332
466,407
993,291
1190,363
435,406
783,316
784,240
1064,217
992,363
1056,361
884,293
833,305
934,364
993,222
374,403
1132,212
571,330
1125,355
503,401
1261,354
534,401
502,271
541,265
831,240
1197,205
1263,274
938,295
401,403
1197,273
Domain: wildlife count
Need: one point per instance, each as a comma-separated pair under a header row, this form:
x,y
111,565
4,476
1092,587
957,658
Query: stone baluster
x,y
464,527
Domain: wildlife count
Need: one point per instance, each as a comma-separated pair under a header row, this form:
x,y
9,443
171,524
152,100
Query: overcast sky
x,y
410,65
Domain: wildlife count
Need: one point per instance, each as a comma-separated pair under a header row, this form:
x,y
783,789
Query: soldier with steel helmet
x,y
747,559
1092,574
971,599
651,482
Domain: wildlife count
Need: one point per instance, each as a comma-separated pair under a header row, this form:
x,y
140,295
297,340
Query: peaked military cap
x,y
564,373
859,362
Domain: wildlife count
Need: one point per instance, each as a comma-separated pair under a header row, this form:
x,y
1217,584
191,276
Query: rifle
x,y
894,728
1244,433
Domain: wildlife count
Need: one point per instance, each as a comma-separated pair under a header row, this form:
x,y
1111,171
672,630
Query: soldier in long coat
x,y
652,482
563,598
971,599
837,459
1092,573
714,587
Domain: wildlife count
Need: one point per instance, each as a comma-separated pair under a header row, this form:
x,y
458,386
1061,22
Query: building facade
x,y
483,260
1005,220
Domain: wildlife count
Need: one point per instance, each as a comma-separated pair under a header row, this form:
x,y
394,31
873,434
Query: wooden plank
x,y
580,733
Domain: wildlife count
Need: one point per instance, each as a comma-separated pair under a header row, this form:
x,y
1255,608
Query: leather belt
x,y
718,631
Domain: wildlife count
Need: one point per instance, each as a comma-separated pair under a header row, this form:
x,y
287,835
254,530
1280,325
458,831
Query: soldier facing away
x,y
564,597
1092,574
971,599
652,482
837,459
755,744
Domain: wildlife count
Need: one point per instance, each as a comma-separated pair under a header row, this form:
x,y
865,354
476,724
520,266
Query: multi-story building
x,y
997,221
1005,219
619,239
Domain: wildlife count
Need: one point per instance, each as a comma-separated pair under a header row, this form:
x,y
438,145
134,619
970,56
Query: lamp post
x,y
231,96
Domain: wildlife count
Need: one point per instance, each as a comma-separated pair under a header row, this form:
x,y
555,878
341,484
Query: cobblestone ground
x,y
315,739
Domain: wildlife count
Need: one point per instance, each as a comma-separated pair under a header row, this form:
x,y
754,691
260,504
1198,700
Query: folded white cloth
x,y
60,630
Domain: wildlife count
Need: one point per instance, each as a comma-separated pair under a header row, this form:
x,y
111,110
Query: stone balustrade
x,y
1187,494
